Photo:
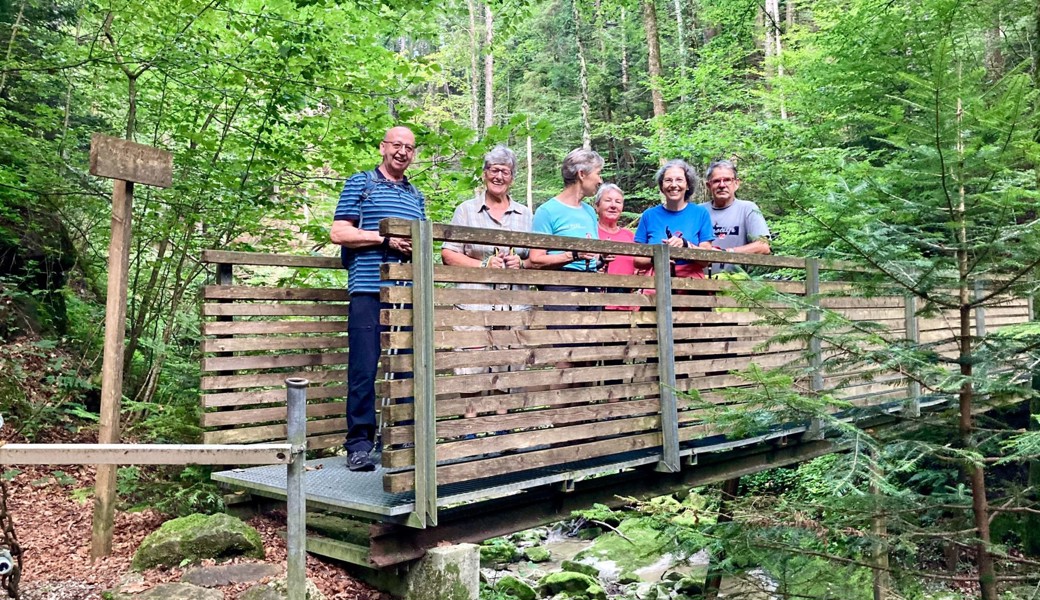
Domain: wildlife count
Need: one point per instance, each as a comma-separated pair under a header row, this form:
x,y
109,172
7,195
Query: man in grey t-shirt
x,y
739,224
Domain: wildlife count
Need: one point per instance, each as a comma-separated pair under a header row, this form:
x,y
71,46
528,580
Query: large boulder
x,y
635,544
195,537
576,586
514,587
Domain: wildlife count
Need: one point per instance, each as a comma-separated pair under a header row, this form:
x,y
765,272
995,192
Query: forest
x,y
900,135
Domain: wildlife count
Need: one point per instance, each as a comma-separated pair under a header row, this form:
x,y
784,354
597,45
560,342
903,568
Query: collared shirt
x,y
475,213
367,199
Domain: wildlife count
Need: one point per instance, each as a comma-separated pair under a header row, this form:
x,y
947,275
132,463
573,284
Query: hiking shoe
x,y
360,461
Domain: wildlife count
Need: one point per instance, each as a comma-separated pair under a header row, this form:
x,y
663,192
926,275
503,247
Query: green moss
x,y
636,544
575,585
438,584
512,587
536,554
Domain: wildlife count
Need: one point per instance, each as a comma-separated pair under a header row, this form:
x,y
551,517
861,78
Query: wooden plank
x,y
495,237
405,457
450,407
402,388
232,382
250,292
449,317
277,361
270,260
274,310
144,454
450,296
275,396
249,344
117,158
448,274
847,302
534,357
272,327
551,417
256,416
551,337
477,469
246,435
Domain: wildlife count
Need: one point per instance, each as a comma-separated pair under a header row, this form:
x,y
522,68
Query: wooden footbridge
x,y
507,415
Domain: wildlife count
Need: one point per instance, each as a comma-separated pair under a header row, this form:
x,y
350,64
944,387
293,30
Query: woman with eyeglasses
x,y
492,208
676,222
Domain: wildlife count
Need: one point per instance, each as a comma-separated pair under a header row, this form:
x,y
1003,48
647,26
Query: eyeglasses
x,y
499,171
722,181
398,146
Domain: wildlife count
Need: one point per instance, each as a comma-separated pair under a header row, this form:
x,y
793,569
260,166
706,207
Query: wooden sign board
x,y
116,158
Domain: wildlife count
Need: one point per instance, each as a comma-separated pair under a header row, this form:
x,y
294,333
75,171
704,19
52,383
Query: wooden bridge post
x,y
669,462
980,311
913,334
812,290
424,376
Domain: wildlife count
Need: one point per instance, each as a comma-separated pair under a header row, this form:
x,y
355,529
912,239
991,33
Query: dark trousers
x,y
363,331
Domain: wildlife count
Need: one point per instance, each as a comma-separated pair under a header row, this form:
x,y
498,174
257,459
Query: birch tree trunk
x,y
489,69
474,73
680,36
773,47
586,128
624,52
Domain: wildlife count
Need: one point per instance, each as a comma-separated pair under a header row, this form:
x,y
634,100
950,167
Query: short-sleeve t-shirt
x,y
738,224
692,223
556,218
386,199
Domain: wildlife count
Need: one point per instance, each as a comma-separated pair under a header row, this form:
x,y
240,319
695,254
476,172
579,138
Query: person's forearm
x,y
453,258
344,233
541,259
755,247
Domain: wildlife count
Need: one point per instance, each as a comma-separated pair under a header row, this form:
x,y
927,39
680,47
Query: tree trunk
x,y
474,73
1031,531
882,580
713,582
583,73
10,46
489,69
624,52
680,37
530,168
789,10
653,45
773,47
994,52
975,474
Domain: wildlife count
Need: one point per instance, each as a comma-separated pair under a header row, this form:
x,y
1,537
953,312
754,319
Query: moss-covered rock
x,y
497,551
635,544
577,567
514,587
195,537
536,554
576,586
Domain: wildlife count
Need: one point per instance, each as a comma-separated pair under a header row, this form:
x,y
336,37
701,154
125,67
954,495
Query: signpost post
x,y
126,163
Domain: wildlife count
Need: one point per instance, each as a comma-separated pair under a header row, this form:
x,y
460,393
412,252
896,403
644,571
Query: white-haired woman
x,y
609,203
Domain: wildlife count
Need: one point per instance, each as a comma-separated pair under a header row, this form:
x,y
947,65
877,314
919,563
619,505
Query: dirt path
x,y
54,532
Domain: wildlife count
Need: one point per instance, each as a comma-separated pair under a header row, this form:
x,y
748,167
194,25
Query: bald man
x,y
368,198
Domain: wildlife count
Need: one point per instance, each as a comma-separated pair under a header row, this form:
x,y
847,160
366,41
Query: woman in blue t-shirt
x,y
677,222
566,214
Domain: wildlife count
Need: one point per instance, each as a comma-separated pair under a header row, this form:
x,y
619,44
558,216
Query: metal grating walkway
x,y
330,485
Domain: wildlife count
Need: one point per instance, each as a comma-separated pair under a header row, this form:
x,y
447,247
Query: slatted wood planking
x,y
606,402
256,336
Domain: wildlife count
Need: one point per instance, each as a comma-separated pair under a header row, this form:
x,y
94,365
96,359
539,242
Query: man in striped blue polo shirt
x,y
367,198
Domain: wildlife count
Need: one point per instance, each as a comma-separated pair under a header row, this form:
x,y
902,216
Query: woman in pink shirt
x,y
609,203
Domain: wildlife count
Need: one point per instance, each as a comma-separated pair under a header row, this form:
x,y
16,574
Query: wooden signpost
x,y
126,163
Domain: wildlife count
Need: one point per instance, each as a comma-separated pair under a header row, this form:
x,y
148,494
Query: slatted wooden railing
x,y
255,335
622,392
